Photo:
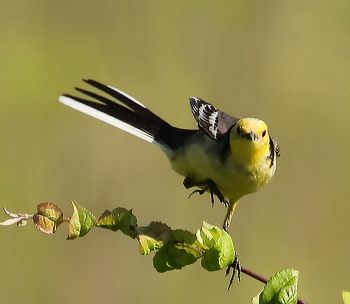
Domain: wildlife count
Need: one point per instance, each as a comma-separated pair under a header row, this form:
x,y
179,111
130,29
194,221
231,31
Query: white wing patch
x,y
209,115
201,112
213,121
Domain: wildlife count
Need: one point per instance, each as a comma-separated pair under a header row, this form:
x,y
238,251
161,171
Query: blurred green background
x,y
286,62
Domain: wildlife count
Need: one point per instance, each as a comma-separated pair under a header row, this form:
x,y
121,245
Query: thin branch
x,y
20,219
254,275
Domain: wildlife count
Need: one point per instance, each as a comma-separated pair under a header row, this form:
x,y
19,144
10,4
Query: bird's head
x,y
249,140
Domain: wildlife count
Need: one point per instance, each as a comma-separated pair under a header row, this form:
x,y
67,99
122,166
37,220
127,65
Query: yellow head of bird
x,y
249,140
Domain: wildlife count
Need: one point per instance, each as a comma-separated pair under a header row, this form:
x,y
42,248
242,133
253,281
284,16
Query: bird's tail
x,y
130,116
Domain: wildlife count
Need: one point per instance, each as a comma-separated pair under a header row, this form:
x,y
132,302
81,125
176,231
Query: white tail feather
x,y
107,118
127,95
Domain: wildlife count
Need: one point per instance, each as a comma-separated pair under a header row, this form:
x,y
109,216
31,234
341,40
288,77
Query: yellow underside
x,y
233,178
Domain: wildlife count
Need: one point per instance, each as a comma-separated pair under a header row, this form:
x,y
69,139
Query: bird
x,y
225,156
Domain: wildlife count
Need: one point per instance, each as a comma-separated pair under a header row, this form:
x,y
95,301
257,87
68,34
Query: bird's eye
x,y
264,133
239,130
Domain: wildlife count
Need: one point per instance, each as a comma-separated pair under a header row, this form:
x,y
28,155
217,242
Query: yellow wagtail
x,y
226,156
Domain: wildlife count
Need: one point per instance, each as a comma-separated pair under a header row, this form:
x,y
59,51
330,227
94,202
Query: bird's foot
x,y
205,185
236,268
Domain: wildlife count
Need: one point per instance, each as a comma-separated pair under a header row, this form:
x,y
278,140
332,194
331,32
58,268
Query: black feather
x,y
211,121
134,114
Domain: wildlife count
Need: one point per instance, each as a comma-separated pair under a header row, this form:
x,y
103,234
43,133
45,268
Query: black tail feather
x,y
134,114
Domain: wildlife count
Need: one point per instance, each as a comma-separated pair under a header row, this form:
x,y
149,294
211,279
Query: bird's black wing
x,y
274,151
211,121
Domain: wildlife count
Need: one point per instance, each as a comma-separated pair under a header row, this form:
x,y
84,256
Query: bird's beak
x,y
250,136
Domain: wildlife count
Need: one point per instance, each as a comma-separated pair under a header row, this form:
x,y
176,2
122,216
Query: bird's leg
x,y
236,265
236,268
230,210
205,185
188,183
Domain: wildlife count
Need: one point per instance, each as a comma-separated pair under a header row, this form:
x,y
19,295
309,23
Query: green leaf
x,y
170,257
80,222
346,297
255,300
184,236
153,236
219,250
182,249
187,240
208,235
119,218
282,288
148,244
160,260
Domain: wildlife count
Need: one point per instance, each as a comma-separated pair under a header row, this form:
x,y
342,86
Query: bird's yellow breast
x,y
234,177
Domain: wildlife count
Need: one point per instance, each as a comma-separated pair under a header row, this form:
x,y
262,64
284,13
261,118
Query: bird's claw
x,y
236,268
207,185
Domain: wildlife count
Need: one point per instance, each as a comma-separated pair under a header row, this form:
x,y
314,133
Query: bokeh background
x,y
287,62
